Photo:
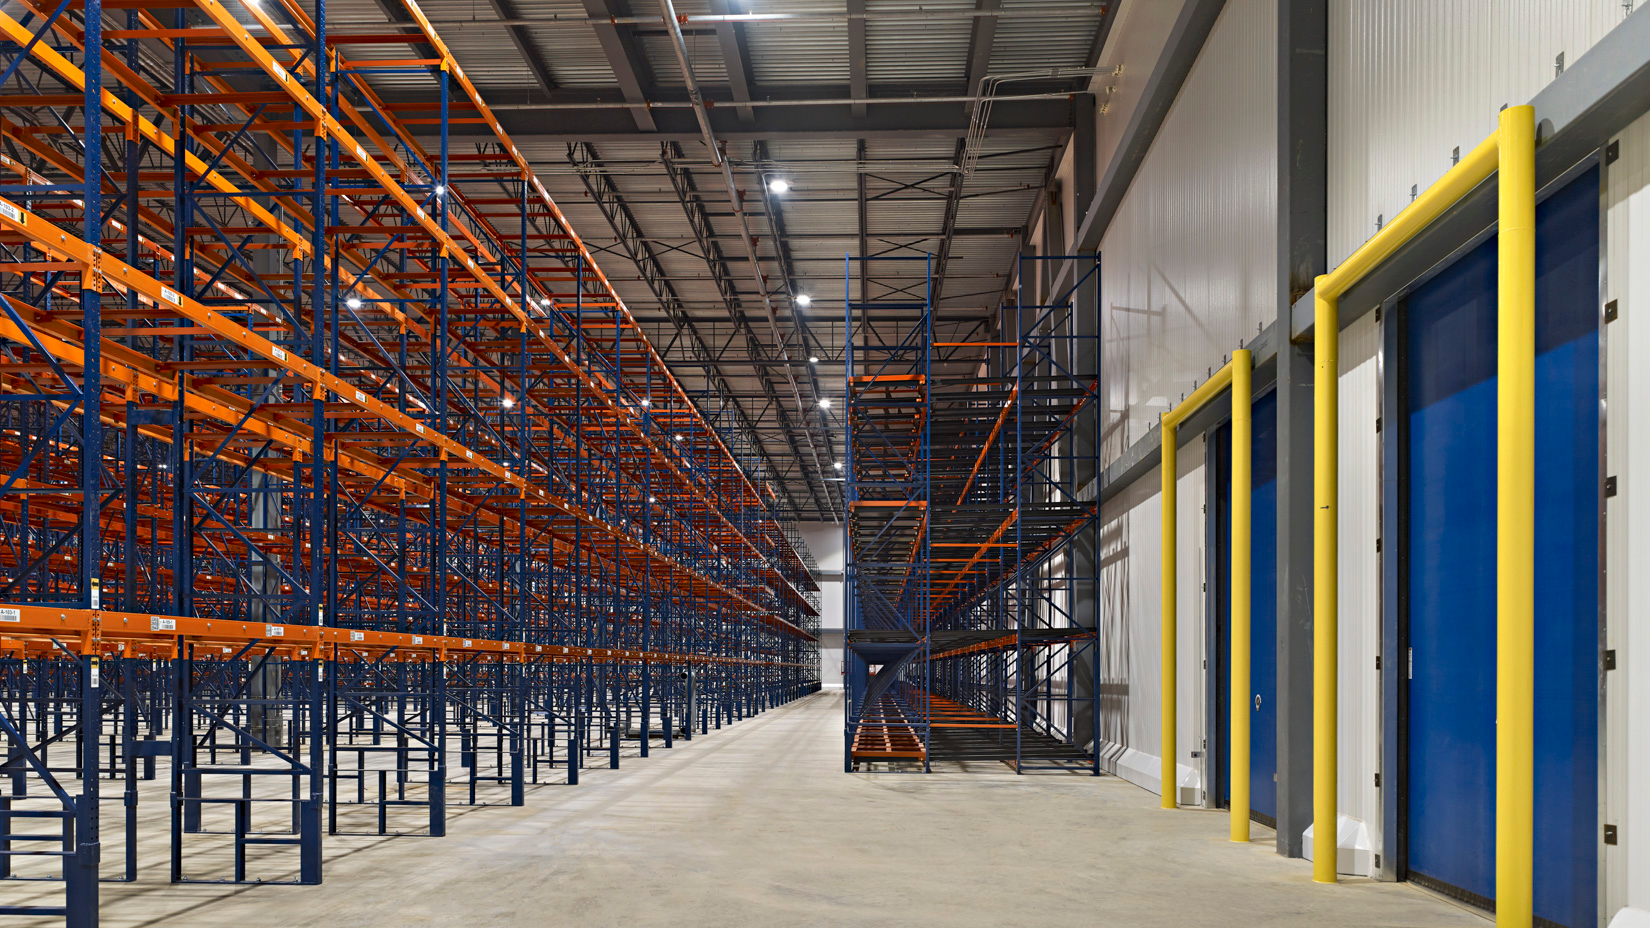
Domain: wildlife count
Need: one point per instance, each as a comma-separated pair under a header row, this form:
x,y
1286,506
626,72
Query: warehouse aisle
x,y
756,825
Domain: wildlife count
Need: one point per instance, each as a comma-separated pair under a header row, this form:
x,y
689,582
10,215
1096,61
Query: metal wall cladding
x,y
1190,260
1359,601
1627,541
1410,82
1131,600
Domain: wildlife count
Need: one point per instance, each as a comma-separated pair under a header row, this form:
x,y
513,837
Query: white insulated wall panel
x,y
1135,43
1627,522
1360,582
1189,262
824,541
1131,536
1412,80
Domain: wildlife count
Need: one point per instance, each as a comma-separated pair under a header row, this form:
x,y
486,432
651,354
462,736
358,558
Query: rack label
x,y
11,615
158,624
274,631
358,636
171,296
418,639
466,642
13,213
280,354
360,397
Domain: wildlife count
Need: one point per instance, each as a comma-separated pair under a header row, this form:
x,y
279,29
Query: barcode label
x,y
280,354
357,636
466,642
418,639
11,615
158,624
171,296
274,631
360,397
10,212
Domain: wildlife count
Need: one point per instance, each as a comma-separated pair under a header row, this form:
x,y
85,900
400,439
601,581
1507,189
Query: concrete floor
x,y
757,825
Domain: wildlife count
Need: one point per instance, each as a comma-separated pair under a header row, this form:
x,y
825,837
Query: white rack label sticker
x,y
171,296
418,639
280,354
466,642
361,153
358,636
420,428
280,72
11,615
11,212
274,631
360,397
158,624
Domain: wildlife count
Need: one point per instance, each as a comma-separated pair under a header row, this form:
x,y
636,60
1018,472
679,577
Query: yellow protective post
x,y
1208,390
1326,351
1475,167
1515,526
1242,478
1170,779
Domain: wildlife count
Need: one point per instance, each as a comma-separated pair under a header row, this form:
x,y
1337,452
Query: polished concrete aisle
x,y
757,825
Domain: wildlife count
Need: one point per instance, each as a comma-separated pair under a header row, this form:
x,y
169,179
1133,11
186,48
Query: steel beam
x,y
698,216
607,197
625,57
736,58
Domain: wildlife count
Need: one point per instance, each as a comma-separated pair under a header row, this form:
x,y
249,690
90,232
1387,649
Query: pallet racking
x,y
335,471
972,468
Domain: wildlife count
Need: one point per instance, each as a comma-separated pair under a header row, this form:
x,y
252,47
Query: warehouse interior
x,y
824,462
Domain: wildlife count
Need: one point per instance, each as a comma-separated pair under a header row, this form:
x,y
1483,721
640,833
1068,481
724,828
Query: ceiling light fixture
x,y
779,185
802,299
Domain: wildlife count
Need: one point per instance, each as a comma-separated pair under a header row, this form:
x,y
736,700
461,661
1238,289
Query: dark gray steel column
x,y
1086,359
1303,32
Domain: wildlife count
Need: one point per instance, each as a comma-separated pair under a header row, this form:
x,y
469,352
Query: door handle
x,y
1257,702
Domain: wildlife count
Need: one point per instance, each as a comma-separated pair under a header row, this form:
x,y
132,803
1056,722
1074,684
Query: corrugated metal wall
x,y
1411,81
1190,259
1627,521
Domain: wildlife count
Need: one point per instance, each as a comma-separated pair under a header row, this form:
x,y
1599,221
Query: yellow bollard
x,y
1515,527
1242,478
1326,339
